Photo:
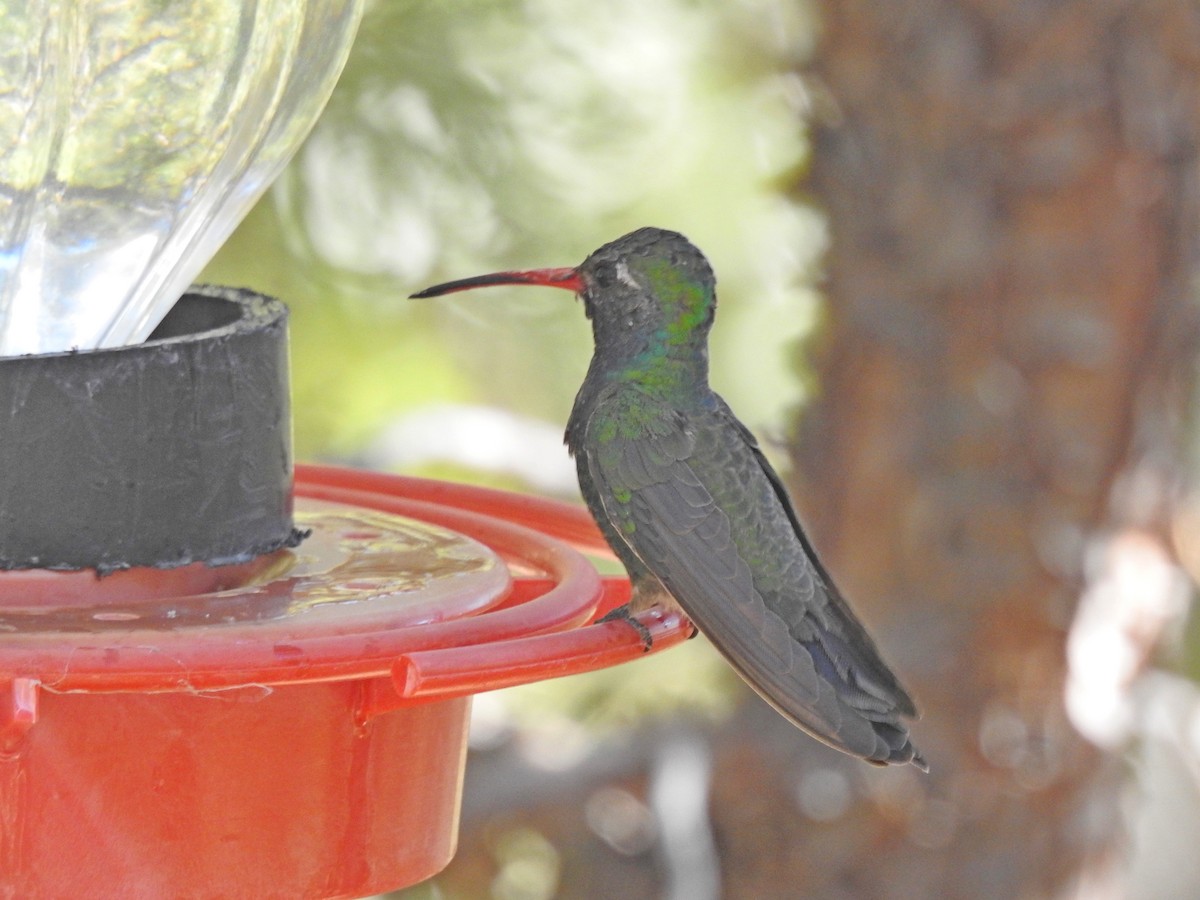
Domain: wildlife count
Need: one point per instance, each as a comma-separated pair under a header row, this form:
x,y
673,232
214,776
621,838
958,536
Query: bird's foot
x,y
622,614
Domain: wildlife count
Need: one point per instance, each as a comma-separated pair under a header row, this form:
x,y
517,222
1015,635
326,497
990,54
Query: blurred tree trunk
x,y
1012,191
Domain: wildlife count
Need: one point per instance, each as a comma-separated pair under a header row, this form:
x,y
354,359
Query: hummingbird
x,y
690,505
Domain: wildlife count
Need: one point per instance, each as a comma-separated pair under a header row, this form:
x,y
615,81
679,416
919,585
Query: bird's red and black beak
x,y
568,279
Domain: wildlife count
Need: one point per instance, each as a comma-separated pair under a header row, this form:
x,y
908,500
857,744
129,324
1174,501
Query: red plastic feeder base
x,y
302,735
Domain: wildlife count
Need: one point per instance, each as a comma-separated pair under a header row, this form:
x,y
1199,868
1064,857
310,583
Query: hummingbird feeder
x,y
221,676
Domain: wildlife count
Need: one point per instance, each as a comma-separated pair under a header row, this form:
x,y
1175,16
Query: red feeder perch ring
x,y
295,726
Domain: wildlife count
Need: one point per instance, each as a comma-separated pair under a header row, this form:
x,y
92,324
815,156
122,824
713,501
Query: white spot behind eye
x,y
624,276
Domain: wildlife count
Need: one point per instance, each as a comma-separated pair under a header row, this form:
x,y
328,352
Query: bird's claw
x,y
622,614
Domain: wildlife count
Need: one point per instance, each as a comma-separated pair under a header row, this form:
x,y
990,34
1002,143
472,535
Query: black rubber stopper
x,y
174,451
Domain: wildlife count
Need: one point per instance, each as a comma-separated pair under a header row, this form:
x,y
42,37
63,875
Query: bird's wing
x,y
870,665
676,490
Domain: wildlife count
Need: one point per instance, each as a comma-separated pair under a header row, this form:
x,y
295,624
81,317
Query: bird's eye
x,y
624,276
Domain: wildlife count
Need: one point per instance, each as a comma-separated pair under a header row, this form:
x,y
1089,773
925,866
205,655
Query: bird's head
x,y
649,287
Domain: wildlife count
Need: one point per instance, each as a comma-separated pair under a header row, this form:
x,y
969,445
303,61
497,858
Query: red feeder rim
x,y
503,626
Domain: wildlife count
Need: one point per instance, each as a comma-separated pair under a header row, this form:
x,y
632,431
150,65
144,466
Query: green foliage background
x,y
469,136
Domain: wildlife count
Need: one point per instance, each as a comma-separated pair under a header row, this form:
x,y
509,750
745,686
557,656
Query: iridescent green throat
x,y
675,353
